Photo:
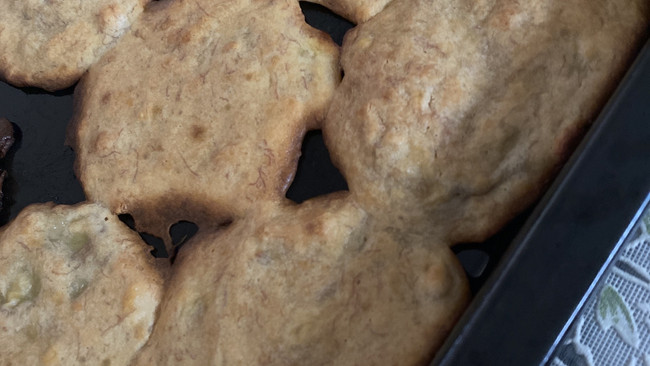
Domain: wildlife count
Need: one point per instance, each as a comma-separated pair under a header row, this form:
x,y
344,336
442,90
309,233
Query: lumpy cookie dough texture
x,y
357,11
199,112
76,287
453,114
51,43
315,284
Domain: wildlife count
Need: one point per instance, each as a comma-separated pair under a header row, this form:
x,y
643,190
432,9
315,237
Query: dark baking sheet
x,y
39,166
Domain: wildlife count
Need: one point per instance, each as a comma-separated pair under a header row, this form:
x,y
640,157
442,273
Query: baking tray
x,y
40,169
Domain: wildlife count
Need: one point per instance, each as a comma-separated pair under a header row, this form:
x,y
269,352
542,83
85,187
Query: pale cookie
x,y
76,287
200,110
453,115
357,11
317,284
49,44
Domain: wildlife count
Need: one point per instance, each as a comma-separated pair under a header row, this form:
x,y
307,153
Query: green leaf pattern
x,y
613,312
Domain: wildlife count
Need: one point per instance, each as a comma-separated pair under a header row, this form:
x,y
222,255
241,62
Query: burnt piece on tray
x,y
6,136
6,141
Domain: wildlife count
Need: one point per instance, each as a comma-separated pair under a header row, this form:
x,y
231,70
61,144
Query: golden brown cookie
x,y
76,287
49,44
357,11
316,284
199,112
453,115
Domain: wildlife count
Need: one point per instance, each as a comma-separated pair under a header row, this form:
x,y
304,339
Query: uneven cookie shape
x,y
357,11
199,112
452,115
76,287
49,44
316,284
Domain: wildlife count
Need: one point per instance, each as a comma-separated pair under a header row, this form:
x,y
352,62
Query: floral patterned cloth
x,y
613,326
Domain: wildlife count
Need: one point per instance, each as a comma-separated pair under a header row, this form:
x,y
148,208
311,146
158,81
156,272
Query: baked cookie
x,y
76,287
199,112
357,11
49,44
453,115
316,284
